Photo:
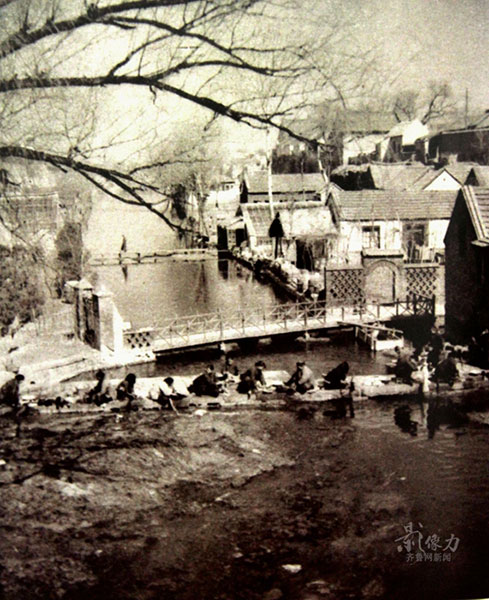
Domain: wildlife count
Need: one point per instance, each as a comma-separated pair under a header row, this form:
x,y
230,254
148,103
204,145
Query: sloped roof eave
x,y
473,208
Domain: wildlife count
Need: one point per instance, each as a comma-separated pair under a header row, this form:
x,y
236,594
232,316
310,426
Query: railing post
x,y
342,313
397,307
378,310
415,307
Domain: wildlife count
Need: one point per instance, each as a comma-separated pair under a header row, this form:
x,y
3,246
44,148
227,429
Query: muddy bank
x,y
153,506
246,506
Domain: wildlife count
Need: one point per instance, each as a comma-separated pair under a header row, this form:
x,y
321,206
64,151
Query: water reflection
x,y
443,413
172,288
432,416
223,266
402,418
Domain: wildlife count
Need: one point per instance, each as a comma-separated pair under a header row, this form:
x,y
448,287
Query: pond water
x,y
146,294
446,481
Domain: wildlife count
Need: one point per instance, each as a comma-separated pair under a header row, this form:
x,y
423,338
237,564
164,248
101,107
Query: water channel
x,y
445,477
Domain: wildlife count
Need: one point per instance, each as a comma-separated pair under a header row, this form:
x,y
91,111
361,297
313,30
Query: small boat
x,y
379,337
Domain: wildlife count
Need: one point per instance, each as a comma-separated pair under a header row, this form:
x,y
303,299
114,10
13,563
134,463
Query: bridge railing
x,y
281,318
240,322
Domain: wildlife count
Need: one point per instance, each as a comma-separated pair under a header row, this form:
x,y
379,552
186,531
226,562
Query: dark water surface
x,y
446,482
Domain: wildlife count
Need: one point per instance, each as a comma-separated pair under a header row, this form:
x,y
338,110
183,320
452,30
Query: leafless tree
x,y
434,103
87,86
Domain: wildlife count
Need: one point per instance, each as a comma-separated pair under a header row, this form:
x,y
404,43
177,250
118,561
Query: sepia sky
x,y
433,39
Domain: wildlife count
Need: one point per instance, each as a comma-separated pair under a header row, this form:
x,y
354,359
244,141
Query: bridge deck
x,y
131,258
199,330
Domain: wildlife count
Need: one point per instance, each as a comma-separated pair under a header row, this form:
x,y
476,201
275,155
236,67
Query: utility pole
x,y
269,168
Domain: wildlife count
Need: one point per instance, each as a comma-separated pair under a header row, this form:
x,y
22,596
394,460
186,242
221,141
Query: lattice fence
x,y
345,286
142,338
421,280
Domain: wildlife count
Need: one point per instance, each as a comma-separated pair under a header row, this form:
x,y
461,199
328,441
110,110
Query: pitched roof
x,y
390,205
477,200
481,174
304,219
257,182
398,176
356,121
460,171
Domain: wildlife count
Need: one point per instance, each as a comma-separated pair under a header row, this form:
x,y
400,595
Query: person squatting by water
x,y
206,383
125,389
169,396
253,380
100,394
302,379
336,378
10,396
405,366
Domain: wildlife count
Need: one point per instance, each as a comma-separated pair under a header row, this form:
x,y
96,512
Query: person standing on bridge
x,y
276,232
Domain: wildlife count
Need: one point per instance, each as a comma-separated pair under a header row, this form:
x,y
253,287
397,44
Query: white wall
x,y
349,242
436,233
444,181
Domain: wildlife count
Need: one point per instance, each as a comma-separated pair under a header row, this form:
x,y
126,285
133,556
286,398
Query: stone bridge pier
x,y
97,321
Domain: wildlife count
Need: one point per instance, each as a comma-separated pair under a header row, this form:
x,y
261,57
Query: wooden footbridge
x,y
134,258
252,324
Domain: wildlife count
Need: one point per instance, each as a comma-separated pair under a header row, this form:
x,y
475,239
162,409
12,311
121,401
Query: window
x,y
371,237
413,239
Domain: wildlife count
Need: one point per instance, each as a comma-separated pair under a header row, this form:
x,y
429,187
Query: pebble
x,y
292,568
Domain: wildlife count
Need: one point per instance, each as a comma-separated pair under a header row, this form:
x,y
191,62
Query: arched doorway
x,y
381,283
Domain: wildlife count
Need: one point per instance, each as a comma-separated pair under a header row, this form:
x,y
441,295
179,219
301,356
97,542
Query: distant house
x,y
465,144
308,228
346,136
388,176
360,148
290,187
450,177
400,143
222,203
467,265
412,223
